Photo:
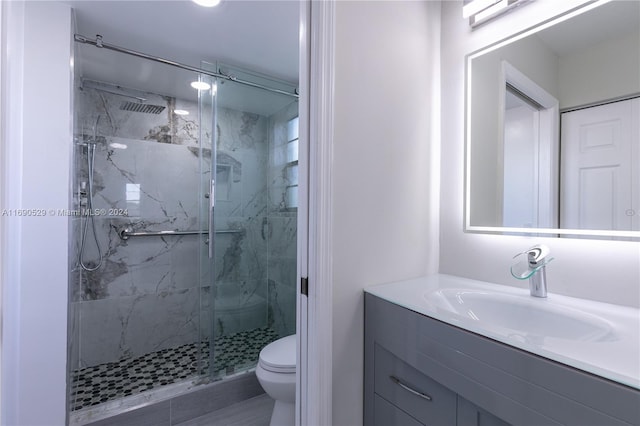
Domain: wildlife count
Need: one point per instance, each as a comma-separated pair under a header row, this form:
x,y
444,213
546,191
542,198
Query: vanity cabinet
x,y
421,371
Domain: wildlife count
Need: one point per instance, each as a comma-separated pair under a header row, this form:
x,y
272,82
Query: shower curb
x,y
202,400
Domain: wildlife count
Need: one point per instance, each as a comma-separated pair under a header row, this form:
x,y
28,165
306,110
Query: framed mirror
x,y
553,127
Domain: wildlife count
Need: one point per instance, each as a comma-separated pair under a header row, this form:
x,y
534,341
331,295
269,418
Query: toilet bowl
x,y
276,372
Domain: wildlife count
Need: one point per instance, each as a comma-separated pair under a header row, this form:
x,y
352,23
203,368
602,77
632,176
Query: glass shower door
x,y
137,298
207,189
253,263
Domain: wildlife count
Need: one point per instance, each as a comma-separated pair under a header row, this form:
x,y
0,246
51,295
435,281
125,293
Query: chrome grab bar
x,y
127,231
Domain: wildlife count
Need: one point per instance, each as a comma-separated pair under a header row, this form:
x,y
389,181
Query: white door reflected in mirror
x,y
601,167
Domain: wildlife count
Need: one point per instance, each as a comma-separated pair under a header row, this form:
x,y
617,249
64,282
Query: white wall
x,y
520,167
384,167
3,108
605,71
608,271
538,63
36,143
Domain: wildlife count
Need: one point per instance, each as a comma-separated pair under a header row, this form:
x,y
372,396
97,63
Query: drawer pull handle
x,y
397,381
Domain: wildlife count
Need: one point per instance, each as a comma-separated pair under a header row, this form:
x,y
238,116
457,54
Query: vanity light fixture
x,y
481,11
207,3
200,85
180,112
471,7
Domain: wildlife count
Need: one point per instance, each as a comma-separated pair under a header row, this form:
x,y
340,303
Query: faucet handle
x,y
537,257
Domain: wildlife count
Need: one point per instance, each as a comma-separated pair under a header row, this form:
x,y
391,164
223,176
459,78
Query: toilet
x,y
276,372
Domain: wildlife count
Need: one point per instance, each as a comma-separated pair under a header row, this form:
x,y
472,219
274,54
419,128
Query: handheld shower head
x,y
91,152
95,131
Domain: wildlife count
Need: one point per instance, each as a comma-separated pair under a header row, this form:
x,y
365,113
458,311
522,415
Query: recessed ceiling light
x,y
207,3
200,85
180,112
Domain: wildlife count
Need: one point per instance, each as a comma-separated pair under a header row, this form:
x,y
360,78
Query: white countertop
x,y
615,357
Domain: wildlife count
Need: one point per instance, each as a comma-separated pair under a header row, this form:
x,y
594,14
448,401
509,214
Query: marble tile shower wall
x,y
240,295
256,271
281,228
146,296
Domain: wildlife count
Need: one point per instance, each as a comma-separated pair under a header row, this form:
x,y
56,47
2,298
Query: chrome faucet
x,y
534,268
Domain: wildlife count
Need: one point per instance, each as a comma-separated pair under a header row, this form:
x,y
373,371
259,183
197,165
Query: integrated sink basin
x,y
596,337
522,317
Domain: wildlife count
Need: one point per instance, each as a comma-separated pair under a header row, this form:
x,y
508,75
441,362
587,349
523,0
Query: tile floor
x,y
113,380
252,412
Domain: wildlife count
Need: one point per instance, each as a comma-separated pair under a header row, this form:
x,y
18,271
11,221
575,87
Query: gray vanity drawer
x,y
440,410
386,414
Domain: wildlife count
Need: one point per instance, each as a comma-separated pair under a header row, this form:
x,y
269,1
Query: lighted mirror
x,y
553,127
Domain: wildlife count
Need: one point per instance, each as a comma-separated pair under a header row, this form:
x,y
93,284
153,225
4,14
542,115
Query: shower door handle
x,y
212,202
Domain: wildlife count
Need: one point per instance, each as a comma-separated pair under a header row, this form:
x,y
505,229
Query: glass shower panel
x,y
136,318
253,294
207,155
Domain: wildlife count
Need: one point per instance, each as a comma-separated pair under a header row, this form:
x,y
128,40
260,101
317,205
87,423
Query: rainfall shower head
x,y
141,107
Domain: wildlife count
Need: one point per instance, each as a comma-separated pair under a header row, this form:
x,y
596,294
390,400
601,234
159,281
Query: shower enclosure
x,y
183,214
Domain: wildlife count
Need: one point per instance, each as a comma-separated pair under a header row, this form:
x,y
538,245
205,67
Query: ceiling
x,y
260,36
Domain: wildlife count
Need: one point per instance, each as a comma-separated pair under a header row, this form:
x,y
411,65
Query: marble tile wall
x,y
282,228
146,295
240,294
152,293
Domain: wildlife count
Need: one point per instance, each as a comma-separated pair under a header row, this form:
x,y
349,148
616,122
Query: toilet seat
x,y
279,356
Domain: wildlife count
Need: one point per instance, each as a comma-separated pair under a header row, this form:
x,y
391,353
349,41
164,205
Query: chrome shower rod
x,y
102,45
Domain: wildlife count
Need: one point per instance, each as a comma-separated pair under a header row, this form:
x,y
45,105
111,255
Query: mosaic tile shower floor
x,y
114,380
